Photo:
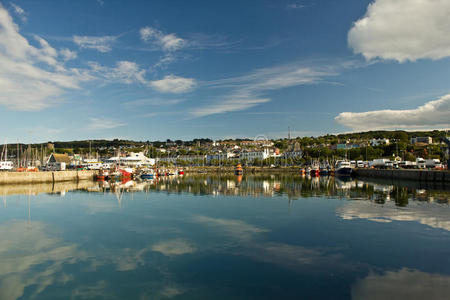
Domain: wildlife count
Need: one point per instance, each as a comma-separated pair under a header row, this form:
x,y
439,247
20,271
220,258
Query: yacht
x,y
343,168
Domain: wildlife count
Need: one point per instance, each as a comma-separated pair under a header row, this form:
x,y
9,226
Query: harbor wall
x,y
45,177
417,175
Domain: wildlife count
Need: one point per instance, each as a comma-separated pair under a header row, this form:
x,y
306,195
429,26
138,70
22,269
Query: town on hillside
x,y
365,149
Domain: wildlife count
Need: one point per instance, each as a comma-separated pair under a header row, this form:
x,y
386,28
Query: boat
x,y
126,172
343,168
5,165
238,170
315,170
302,171
147,175
102,175
180,172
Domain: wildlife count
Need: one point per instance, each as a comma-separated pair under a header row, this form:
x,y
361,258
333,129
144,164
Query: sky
x,y
157,70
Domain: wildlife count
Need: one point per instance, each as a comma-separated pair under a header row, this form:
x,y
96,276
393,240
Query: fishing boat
x,y
238,170
343,168
315,169
147,175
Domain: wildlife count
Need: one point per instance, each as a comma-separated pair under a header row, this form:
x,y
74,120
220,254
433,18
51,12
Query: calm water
x,y
198,237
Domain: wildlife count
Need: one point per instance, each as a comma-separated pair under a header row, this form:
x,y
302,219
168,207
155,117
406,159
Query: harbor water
x,y
226,237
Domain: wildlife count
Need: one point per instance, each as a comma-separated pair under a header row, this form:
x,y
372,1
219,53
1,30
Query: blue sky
x,y
150,70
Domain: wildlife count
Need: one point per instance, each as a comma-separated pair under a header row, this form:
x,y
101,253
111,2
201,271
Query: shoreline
x,y
45,177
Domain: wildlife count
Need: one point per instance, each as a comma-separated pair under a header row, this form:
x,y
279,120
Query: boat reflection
x,y
294,187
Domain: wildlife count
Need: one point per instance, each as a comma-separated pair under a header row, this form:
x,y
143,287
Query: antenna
x,y
289,132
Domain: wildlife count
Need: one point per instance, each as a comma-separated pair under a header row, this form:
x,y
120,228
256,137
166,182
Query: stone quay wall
x,y
45,176
417,175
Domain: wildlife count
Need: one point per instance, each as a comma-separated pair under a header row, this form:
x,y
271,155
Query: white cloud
x,y
403,30
25,82
432,214
228,105
403,284
151,101
102,123
125,71
173,84
40,264
99,43
295,6
233,227
248,90
174,247
167,42
433,114
19,11
67,54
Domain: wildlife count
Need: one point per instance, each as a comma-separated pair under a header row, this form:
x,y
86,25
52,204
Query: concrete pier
x,y
45,177
417,175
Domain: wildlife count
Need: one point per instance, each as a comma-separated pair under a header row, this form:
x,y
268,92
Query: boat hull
x,y
343,172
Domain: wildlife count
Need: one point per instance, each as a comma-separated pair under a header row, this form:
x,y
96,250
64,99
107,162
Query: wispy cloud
x,y
31,78
173,84
151,101
19,11
249,90
100,43
67,54
402,284
228,105
124,71
102,123
174,247
433,114
167,42
295,6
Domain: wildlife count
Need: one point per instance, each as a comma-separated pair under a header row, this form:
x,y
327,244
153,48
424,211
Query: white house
x,y
133,159
252,155
379,142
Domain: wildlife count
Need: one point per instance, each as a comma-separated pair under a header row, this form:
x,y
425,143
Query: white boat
x,y
4,163
343,168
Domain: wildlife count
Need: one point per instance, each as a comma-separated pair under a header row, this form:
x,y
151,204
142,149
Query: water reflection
x,y
405,284
294,187
226,237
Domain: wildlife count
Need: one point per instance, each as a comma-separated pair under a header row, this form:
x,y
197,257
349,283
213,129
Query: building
x,y
220,156
133,159
293,154
422,139
379,142
57,162
252,155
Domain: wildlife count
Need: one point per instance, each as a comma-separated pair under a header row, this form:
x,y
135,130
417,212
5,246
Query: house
x,y
293,154
422,139
252,155
379,142
57,162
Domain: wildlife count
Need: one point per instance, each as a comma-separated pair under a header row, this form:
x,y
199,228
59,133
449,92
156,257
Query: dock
x,y
45,177
437,176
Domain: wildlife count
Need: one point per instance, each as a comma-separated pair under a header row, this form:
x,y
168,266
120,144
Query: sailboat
x,y
4,163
